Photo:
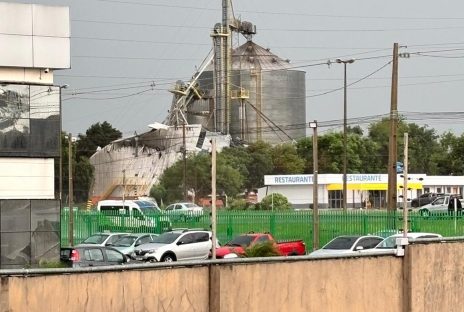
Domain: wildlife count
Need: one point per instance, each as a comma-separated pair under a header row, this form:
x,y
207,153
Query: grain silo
x,y
267,97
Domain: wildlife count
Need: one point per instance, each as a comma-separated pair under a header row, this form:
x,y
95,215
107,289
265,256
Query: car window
x,y
95,239
125,241
178,207
368,242
342,242
187,238
242,240
93,255
262,239
201,237
166,238
170,207
144,240
190,205
114,238
114,256
439,201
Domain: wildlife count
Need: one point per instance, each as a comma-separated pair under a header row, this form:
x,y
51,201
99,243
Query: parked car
x,y
184,211
102,239
236,247
390,242
90,256
425,199
439,205
347,244
134,215
175,246
127,243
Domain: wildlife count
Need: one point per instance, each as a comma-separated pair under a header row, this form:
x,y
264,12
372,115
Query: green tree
x,y
98,135
260,164
286,161
275,201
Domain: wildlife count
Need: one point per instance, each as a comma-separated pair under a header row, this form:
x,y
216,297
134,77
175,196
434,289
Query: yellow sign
x,y
370,186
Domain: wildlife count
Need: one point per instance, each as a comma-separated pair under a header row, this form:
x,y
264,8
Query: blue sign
x,y
399,167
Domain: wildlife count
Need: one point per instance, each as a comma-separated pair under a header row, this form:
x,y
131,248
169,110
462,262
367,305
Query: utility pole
x,y
392,148
123,187
345,135
184,157
213,197
315,187
405,187
70,191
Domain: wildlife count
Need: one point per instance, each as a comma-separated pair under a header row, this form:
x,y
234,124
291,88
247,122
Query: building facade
x,y
35,42
363,190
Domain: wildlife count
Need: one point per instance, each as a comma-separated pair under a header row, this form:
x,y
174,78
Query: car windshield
x,y
166,238
95,239
343,242
243,240
147,207
125,241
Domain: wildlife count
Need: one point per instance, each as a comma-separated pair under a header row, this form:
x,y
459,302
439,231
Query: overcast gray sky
x,y
117,44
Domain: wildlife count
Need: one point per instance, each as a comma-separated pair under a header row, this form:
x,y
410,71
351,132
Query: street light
x,y
313,125
350,61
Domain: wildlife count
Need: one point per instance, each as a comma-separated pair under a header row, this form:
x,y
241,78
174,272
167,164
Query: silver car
x,y
102,239
175,246
347,244
128,243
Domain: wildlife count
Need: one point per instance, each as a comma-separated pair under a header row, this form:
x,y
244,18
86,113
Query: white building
x,y
34,42
362,189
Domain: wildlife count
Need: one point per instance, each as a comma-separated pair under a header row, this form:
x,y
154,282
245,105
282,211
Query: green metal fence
x,y
286,225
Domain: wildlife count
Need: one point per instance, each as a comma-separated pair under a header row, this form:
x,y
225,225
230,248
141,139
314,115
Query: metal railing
x,y
284,225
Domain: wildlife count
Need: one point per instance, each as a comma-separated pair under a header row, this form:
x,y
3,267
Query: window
x,y
113,239
201,237
93,255
114,256
170,207
178,207
368,243
262,239
335,199
144,240
438,189
188,238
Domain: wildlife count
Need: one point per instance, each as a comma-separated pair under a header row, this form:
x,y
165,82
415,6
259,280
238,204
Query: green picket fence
x,y
284,225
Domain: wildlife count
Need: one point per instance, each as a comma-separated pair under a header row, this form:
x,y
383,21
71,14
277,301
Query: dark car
x,y
90,256
425,199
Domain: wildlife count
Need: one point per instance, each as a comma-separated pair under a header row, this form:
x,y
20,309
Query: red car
x,y
236,247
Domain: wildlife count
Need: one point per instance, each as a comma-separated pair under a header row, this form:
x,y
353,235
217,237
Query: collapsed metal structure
x,y
242,95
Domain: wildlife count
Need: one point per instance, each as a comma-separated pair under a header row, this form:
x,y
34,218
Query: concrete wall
x,y
428,278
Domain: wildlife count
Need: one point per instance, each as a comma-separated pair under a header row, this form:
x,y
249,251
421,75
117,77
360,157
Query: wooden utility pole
x,y
392,147
184,157
315,188
213,197
70,193
405,187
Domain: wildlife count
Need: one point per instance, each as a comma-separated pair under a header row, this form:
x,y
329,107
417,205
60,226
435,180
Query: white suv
x,y
176,245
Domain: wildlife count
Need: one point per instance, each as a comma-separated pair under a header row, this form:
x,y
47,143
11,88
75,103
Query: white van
x,y
134,215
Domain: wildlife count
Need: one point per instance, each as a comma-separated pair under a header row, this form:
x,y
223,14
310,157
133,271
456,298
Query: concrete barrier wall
x,y
428,278
436,281
182,289
366,284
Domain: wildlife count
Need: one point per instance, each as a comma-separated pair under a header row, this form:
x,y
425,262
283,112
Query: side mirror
x,y
179,243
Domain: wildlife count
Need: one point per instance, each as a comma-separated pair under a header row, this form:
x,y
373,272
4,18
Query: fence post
x,y
365,223
272,225
230,231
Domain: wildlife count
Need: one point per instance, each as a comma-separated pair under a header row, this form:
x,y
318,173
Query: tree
x,y
260,164
275,201
285,160
98,135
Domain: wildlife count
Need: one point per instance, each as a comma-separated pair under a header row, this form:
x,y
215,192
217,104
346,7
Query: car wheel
x,y
168,258
425,213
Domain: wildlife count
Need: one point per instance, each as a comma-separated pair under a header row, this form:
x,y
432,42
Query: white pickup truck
x,y
439,205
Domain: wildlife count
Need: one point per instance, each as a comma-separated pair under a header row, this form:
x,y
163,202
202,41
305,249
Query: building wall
x,y
360,187
34,41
